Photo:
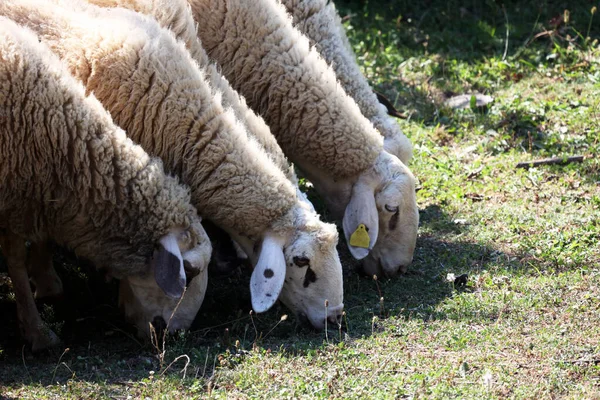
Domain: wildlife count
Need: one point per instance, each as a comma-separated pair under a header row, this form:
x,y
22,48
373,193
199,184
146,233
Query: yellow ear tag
x,y
360,237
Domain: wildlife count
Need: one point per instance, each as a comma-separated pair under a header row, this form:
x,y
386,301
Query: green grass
x,y
526,325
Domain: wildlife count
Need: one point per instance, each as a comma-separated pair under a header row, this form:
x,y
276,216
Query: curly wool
x,y
320,22
176,16
157,93
69,173
271,63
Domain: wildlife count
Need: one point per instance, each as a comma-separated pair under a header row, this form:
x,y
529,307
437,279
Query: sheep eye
x,y
301,261
392,209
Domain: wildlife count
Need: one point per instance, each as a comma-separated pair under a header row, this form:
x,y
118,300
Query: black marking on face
x,y
394,221
309,277
268,273
268,294
301,261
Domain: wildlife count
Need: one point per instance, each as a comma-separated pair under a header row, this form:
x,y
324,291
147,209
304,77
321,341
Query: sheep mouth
x,y
304,322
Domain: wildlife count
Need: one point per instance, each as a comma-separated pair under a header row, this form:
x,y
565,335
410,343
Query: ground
x,y
527,322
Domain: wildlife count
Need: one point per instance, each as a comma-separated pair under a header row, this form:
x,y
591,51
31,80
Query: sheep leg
x,y
32,327
43,275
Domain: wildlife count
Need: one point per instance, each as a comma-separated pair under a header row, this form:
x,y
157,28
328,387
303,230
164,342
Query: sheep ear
x,y
361,221
168,267
268,275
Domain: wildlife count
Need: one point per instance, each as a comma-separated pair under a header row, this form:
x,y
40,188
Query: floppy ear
x,y
168,267
268,275
361,221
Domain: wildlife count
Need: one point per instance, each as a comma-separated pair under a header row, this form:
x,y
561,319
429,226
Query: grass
x,y
526,324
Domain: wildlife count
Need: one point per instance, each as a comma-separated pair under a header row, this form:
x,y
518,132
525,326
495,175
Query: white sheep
x,y
68,173
320,22
176,16
153,89
319,127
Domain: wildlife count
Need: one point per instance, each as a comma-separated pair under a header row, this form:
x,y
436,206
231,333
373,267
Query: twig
x,y
24,364
283,318
549,161
382,366
507,33
184,370
594,361
254,325
58,363
326,313
391,110
205,362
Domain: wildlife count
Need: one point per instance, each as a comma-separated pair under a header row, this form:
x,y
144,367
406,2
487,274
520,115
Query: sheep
x,y
318,126
68,173
153,89
176,16
319,21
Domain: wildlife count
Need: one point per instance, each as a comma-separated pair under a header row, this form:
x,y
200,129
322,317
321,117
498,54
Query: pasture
x,y
503,297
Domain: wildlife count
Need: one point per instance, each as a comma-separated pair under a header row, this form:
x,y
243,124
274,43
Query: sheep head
x,y
180,260
299,265
379,212
387,206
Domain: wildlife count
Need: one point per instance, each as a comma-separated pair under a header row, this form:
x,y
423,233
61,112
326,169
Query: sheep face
x,y
313,287
301,268
398,218
150,298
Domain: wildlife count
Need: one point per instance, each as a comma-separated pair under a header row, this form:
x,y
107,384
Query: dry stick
x,y
389,106
24,364
326,312
507,33
382,366
283,318
549,161
184,370
58,363
205,362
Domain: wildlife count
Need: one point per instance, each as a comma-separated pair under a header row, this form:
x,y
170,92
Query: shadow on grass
x,y
104,350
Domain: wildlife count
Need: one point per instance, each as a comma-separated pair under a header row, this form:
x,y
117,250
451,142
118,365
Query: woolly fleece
x,y
69,173
270,63
176,16
157,93
320,22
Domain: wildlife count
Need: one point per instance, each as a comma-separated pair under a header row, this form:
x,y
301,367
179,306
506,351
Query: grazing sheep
x,y
319,21
176,16
318,126
154,89
68,173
